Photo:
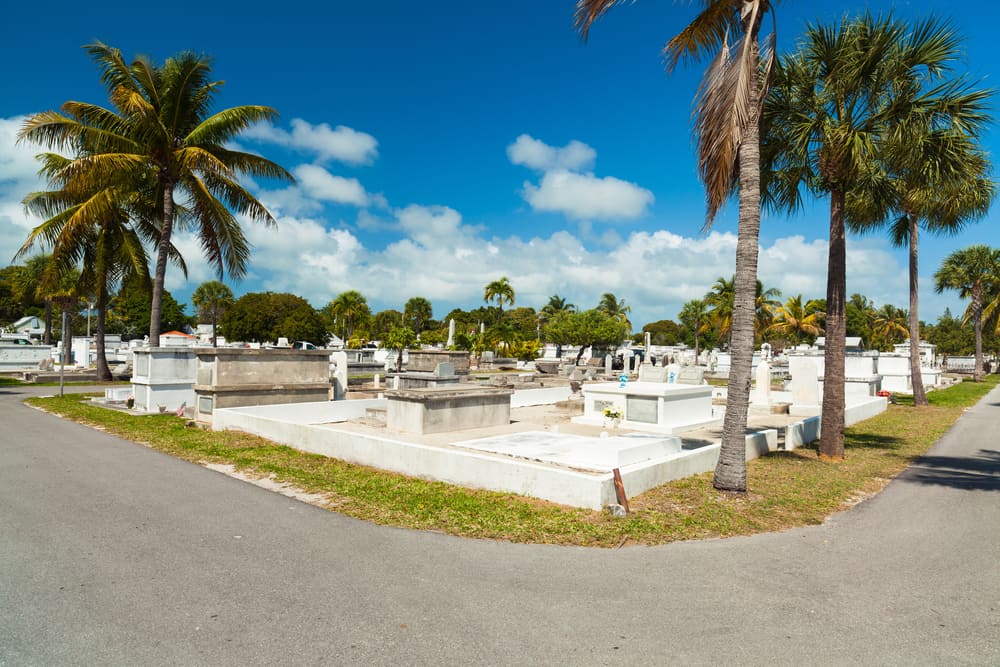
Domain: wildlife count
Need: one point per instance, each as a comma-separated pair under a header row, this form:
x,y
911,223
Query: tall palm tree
x,y
860,315
721,302
501,291
555,305
417,312
163,137
973,272
931,174
797,321
616,308
88,225
891,327
349,310
727,124
695,316
830,106
766,305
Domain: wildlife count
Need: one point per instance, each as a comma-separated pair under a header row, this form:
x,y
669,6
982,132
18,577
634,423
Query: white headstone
x,y
608,362
762,395
805,381
339,360
649,345
451,333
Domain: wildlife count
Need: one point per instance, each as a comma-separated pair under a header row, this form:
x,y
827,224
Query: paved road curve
x,y
111,553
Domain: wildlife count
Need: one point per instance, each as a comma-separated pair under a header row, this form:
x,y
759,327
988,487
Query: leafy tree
x,y
727,127
268,316
385,321
972,272
860,316
585,328
417,313
162,138
664,332
525,321
129,310
830,106
212,298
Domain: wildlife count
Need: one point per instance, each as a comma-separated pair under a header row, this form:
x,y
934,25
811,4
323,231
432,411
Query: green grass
x,y
787,489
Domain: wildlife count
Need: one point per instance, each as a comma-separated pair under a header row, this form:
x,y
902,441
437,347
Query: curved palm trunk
x,y
731,470
831,442
916,379
163,250
103,371
977,321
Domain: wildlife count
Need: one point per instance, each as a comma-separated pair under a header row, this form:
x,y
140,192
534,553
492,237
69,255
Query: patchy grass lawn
x,y
787,489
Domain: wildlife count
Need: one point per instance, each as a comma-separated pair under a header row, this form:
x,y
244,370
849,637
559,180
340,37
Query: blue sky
x,y
438,146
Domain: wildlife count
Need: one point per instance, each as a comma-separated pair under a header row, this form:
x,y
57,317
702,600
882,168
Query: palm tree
x,y
727,124
348,310
212,299
501,291
973,272
797,321
830,106
890,327
932,175
162,138
616,308
416,313
696,317
88,225
765,305
720,300
859,316
556,305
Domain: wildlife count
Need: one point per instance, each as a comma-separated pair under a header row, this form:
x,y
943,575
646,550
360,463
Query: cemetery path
x,y
111,553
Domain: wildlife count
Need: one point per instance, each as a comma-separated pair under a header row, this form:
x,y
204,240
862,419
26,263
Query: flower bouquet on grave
x,y
613,414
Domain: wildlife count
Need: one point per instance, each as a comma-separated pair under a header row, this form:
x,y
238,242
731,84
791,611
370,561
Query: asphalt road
x,y
114,554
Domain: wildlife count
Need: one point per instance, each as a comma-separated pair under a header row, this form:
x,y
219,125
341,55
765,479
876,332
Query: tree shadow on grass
x,y
872,441
980,472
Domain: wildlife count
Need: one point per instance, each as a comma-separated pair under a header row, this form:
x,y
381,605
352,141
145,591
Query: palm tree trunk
x,y
916,379
103,371
48,321
215,327
831,442
731,470
977,321
163,250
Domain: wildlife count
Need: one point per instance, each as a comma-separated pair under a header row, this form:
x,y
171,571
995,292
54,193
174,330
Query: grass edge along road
x,y
787,489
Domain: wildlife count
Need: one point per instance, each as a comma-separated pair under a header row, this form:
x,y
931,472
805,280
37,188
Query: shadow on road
x,y
976,473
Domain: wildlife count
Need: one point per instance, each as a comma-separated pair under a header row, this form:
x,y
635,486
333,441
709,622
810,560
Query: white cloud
x,y
320,184
568,188
341,143
535,154
586,197
18,177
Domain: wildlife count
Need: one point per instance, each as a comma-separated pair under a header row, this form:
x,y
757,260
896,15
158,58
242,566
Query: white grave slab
x,y
649,406
576,451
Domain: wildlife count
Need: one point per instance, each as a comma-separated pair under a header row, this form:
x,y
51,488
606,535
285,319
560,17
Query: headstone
x,y
649,344
653,374
608,364
444,369
377,381
805,381
763,393
451,333
691,375
339,360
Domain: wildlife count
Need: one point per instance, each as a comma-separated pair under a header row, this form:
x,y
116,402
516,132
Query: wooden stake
x,y
620,490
